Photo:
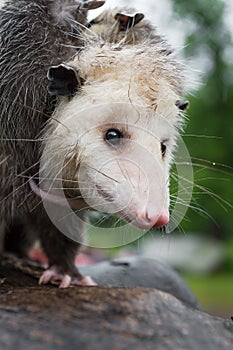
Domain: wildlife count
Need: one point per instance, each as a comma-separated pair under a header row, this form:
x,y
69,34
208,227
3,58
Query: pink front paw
x,y
54,274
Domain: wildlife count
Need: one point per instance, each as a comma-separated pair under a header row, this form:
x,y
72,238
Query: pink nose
x,y
162,220
147,221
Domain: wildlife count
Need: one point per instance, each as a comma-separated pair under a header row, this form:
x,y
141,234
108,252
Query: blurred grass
x,y
214,292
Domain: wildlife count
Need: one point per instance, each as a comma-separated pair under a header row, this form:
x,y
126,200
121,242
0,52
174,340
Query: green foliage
x,y
211,114
228,264
213,292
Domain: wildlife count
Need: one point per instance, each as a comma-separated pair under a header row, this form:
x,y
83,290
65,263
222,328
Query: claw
x,y
54,274
85,281
66,281
50,275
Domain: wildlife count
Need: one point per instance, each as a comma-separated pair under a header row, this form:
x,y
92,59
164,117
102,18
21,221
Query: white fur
x,y
133,89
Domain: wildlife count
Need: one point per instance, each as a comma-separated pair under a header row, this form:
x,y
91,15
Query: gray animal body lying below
x,y
107,97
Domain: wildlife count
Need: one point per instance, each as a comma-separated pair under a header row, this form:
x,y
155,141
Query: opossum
x,y
33,35
125,25
111,137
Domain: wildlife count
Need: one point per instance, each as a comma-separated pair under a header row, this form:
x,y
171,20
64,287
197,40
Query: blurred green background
x,y
211,114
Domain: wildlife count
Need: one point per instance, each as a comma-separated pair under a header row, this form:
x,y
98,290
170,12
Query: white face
x,y
118,155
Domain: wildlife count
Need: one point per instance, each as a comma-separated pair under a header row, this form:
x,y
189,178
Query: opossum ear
x,y
128,21
182,104
92,5
63,80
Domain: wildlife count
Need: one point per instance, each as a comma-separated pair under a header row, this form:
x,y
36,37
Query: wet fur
x,y
142,76
147,74
33,36
108,28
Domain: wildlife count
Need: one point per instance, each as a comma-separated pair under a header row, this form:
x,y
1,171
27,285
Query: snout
x,y
146,220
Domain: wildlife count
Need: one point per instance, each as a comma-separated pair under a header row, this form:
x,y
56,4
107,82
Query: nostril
x,y
148,220
162,220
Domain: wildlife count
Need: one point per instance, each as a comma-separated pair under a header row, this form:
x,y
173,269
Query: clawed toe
x,y
85,281
55,274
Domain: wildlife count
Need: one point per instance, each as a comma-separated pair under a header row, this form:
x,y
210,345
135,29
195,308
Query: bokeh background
x,y
201,31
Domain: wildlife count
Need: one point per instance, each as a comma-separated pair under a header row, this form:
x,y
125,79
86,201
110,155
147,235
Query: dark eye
x,y
113,137
163,149
91,23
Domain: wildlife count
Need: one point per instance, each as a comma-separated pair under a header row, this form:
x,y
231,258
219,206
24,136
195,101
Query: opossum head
x,y
114,21
124,25
112,139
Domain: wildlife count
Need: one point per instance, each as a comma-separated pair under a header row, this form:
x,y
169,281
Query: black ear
x,y
63,80
182,104
92,5
128,21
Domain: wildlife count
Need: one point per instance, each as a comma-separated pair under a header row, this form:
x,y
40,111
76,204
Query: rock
x,y
137,271
45,317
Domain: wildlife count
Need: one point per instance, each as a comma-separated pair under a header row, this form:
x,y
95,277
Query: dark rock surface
x,y
36,318
142,272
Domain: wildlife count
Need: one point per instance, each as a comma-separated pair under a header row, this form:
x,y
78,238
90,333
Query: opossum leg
x,y
61,253
54,273
19,236
2,234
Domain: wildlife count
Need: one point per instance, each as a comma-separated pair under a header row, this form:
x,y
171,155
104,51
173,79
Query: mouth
x,y
74,203
145,223
105,194
80,204
65,200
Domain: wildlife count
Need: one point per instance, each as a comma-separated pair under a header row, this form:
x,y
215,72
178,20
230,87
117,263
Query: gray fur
x,y
107,25
33,36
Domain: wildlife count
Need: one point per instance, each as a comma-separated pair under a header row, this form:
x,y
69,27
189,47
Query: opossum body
x,y
111,137
33,35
